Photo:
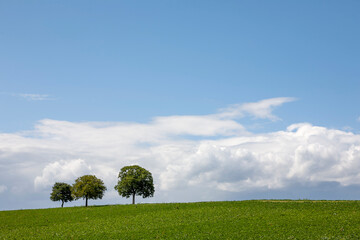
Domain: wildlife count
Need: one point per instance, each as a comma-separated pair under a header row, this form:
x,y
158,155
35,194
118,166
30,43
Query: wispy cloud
x,y
29,96
262,109
33,97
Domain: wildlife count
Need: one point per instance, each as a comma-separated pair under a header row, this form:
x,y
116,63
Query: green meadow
x,y
204,220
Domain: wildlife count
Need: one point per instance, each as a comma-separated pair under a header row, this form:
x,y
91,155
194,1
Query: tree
x,y
135,180
88,187
61,192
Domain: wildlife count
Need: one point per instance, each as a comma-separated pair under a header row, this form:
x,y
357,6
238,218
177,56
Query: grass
x,y
206,220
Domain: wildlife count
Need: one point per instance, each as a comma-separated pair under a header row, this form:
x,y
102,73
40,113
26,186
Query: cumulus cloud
x,y
212,153
61,171
302,153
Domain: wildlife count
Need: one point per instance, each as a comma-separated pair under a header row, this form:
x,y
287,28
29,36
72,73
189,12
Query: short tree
x,y
88,187
135,180
61,192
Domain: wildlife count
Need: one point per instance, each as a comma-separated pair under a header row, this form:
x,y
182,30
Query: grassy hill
x,y
205,220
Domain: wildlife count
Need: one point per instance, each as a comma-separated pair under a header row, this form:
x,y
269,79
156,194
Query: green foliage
x,y
210,220
61,192
88,187
135,180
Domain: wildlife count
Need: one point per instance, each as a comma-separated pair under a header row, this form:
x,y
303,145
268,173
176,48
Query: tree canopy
x,y
135,180
88,187
61,192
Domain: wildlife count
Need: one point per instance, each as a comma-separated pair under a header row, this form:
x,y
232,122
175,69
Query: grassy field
x,y
207,220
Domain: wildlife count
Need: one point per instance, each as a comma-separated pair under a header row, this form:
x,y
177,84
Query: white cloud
x,y
3,188
60,171
261,109
197,126
304,153
222,157
33,97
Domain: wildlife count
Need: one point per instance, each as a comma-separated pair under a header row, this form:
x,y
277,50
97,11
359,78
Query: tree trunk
x,y
133,198
86,202
62,204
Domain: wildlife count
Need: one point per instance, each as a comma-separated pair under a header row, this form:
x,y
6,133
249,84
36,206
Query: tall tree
x,y
88,187
135,180
61,192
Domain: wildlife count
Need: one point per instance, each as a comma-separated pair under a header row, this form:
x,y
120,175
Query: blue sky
x,y
131,62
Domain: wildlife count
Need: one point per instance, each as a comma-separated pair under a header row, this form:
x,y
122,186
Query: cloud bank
x,y
192,158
